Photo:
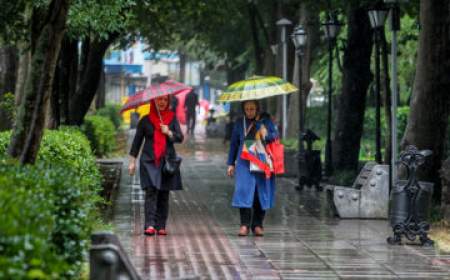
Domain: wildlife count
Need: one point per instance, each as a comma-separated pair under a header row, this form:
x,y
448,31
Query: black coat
x,y
150,174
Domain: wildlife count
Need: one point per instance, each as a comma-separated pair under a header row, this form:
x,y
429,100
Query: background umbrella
x,y
256,87
169,87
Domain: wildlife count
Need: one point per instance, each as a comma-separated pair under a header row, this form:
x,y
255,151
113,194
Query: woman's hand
x,y
165,130
230,170
132,166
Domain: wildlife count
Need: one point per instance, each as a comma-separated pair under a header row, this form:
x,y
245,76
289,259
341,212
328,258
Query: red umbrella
x,y
181,113
143,97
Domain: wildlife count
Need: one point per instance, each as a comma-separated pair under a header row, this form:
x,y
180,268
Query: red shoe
x,y
150,231
162,232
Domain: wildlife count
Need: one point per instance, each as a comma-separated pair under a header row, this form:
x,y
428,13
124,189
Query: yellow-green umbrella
x,y
256,87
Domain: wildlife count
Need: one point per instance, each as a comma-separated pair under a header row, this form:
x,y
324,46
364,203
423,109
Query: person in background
x,y
159,130
190,104
229,128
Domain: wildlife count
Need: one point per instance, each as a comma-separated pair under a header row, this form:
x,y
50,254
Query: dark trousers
x,y
156,208
253,217
190,122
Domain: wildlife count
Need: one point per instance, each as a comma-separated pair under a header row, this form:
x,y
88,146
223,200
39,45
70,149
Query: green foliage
x,y
402,120
316,120
290,143
407,45
88,17
111,111
27,211
12,17
101,134
369,124
49,209
219,36
5,137
343,178
69,147
7,105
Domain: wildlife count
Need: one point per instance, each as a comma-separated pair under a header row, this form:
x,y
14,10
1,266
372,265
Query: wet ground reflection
x,y
302,241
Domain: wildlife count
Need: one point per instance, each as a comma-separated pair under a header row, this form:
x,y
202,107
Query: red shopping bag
x,y
276,150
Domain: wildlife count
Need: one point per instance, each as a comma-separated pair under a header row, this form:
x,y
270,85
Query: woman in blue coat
x,y
253,193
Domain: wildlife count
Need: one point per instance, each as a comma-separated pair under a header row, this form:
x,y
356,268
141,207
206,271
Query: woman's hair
x,y
253,101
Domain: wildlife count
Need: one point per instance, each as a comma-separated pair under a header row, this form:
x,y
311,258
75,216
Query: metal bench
x,y
368,197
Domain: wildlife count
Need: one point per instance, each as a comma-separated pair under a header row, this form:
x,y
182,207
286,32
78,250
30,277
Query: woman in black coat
x,y
161,130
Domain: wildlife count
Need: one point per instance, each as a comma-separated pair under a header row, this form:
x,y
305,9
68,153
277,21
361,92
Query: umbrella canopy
x,y
256,87
168,87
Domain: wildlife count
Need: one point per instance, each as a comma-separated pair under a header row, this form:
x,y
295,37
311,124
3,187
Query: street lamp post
x,y
284,23
377,17
299,39
395,26
331,28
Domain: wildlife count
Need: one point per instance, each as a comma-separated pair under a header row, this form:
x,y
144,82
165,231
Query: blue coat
x,y
246,181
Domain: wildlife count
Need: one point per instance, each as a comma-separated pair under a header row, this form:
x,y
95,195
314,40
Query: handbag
x,y
259,160
276,151
254,151
171,165
257,149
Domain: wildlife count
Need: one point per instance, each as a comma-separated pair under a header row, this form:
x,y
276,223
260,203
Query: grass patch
x,y
440,233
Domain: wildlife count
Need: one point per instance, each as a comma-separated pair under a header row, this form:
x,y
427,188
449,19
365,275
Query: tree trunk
x,y
64,82
69,69
89,79
355,82
182,66
235,73
269,104
309,18
22,73
445,201
386,91
430,103
46,39
100,100
8,70
276,107
54,114
257,46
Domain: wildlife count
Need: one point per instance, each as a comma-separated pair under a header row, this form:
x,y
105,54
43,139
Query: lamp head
x,y
332,28
299,37
377,17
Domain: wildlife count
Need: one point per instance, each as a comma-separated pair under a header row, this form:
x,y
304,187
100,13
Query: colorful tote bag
x,y
254,151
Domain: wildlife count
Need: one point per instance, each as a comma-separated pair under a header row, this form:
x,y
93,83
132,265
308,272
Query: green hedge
x,y
56,201
112,112
26,208
101,134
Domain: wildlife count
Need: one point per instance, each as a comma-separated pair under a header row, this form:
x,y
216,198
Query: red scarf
x,y
159,139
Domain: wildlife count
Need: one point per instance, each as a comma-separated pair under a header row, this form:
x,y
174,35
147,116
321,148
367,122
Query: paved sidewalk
x,y
302,240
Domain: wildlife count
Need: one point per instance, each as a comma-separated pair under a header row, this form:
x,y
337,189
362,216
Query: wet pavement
x,y
302,239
